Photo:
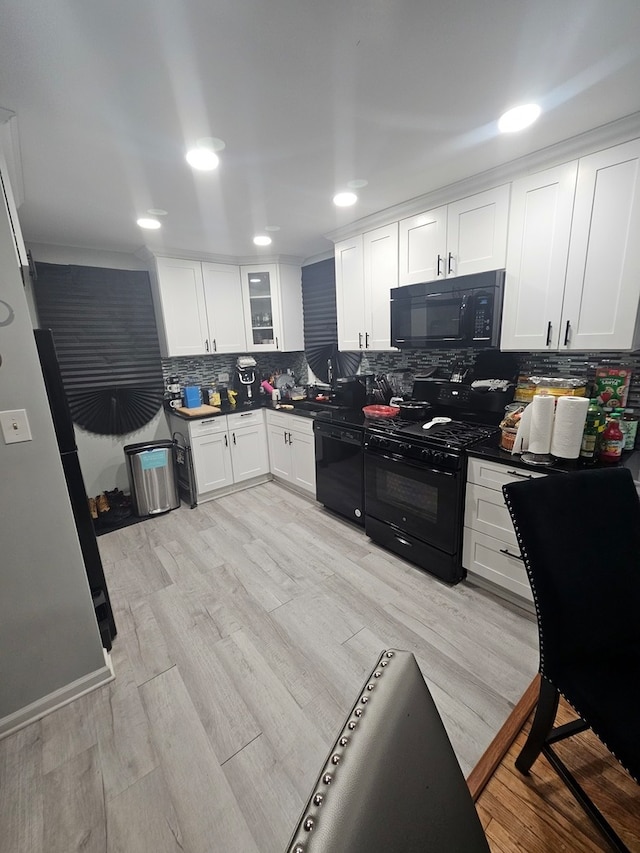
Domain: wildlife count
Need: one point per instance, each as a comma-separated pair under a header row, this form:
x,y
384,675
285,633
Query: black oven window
x,y
408,495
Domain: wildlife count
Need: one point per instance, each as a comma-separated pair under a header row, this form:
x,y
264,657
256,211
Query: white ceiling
x,y
307,95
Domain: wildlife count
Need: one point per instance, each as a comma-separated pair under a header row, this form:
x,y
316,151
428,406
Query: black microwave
x,y
465,311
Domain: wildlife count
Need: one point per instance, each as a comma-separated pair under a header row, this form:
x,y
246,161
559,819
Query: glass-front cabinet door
x,y
259,286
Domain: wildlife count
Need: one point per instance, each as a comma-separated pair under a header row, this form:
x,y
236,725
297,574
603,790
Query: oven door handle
x,y
418,467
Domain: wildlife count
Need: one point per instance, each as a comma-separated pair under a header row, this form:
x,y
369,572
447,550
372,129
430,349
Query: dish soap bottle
x,y
612,440
594,425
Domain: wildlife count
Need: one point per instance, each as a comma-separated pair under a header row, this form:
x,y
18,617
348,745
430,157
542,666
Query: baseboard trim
x,y
52,701
495,752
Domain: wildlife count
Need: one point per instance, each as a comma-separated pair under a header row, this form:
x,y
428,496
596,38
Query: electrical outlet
x,y
15,426
223,377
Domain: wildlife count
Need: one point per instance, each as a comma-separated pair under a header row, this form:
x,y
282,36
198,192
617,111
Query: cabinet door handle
x,y
366,340
566,333
206,345
509,554
284,434
438,268
290,439
215,345
549,333
226,441
449,264
522,476
360,340
277,347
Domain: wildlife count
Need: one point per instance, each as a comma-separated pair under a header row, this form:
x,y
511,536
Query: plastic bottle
x,y
612,440
594,425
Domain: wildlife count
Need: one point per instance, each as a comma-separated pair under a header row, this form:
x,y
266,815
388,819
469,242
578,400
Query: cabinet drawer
x,y
279,419
486,511
251,416
301,425
485,556
494,475
208,426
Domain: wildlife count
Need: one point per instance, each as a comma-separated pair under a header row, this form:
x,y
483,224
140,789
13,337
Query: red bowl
x,y
379,411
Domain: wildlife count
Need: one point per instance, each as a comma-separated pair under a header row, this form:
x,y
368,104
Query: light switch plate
x,y
15,426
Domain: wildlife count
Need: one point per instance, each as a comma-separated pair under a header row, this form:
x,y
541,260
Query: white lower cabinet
x,y
490,548
226,450
248,445
292,450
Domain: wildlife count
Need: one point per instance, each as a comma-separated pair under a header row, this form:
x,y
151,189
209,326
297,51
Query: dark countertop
x,y
490,450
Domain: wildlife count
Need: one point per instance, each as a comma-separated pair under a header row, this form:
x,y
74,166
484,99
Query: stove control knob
x,y
426,454
403,446
438,457
382,442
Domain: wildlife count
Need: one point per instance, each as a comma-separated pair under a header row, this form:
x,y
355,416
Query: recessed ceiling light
x,y
358,184
518,118
157,211
151,224
271,227
262,240
345,199
203,159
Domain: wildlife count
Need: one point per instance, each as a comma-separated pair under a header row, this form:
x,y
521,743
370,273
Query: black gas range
x,y
414,488
438,442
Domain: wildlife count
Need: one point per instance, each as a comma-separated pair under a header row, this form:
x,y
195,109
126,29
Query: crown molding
x,y
323,256
613,133
149,256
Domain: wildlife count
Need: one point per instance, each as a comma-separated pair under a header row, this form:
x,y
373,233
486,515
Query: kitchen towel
x,y
521,443
571,414
541,429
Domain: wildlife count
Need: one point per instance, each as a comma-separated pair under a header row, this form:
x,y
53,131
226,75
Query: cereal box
x,y
612,386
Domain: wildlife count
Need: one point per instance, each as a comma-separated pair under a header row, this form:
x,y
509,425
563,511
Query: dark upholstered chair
x,y
579,536
391,782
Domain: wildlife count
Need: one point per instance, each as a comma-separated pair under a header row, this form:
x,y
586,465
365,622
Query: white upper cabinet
x,y
537,252
467,236
272,298
380,260
366,270
572,277
225,311
603,274
199,307
422,240
350,293
182,313
477,232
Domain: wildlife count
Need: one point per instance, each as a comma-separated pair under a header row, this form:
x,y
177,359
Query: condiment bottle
x,y
612,440
594,425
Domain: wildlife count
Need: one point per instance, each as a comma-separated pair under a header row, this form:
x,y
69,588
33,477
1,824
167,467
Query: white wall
x,y
48,633
102,456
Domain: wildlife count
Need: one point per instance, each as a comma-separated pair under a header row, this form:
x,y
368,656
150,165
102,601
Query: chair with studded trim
x,y
579,535
391,782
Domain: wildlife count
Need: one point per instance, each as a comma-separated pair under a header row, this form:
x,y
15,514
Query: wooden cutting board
x,y
199,411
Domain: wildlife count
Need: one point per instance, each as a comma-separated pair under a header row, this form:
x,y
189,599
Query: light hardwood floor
x,y
246,627
537,813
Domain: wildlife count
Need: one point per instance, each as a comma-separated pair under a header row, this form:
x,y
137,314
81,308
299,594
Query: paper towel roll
x,y
541,428
521,442
571,414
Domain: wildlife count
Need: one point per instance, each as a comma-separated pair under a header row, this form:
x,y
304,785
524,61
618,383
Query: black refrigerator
x,y
66,438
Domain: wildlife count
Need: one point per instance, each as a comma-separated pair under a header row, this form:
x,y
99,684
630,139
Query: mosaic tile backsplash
x,y
572,364
205,370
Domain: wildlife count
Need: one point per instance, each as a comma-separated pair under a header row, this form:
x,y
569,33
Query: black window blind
x,y
105,335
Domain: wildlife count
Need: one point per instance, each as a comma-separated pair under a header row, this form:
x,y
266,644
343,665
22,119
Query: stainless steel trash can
x,y
151,466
